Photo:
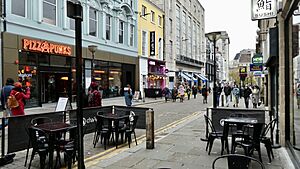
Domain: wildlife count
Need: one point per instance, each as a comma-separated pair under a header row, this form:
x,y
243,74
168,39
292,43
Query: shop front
x,y
156,80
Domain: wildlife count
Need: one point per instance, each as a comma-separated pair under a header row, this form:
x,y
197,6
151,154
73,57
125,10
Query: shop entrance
x,y
54,84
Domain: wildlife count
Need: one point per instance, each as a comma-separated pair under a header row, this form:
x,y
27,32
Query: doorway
x,y
53,86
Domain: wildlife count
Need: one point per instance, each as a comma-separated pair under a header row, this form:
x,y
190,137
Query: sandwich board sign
x,y
61,104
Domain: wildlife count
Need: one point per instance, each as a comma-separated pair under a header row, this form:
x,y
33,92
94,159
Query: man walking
x,y
5,92
227,91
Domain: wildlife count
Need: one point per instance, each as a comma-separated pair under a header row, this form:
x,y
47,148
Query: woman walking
x,y
20,96
181,92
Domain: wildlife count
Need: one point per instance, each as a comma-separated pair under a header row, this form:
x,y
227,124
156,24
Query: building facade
x,y
38,47
152,67
184,41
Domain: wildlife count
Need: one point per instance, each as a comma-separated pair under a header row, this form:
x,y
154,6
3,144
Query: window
x,y
18,7
108,27
159,20
93,22
121,31
49,11
144,43
184,37
152,16
144,11
131,35
178,39
131,3
160,52
170,4
171,49
72,24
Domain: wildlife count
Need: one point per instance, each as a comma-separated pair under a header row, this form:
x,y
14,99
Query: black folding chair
x,y
237,161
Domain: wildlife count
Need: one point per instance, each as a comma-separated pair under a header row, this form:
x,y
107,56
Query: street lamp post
x,y
92,49
213,37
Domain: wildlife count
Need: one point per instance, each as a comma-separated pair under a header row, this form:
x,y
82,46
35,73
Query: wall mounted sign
x,y
46,47
257,59
254,67
152,43
243,69
263,9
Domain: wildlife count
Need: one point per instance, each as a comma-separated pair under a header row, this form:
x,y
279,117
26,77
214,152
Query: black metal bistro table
x,y
239,122
116,119
53,129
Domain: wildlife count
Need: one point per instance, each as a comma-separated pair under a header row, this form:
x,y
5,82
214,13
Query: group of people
x,y
182,90
14,92
248,92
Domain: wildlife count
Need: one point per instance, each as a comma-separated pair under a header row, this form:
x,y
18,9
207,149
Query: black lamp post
x,y
92,49
213,37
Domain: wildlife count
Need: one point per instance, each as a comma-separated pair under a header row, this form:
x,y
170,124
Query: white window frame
x,y
131,37
159,20
152,16
25,7
144,11
160,48
46,20
145,53
108,25
96,20
121,30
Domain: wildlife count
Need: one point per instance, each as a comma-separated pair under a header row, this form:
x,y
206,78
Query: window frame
x,y
144,11
131,37
25,9
48,20
144,45
152,16
95,20
108,26
159,20
121,31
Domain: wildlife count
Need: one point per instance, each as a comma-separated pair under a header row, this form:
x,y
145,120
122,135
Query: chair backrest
x,y
238,115
133,123
38,138
209,123
237,161
268,127
40,120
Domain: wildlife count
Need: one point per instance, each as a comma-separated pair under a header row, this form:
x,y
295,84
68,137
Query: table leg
x,y
117,132
51,150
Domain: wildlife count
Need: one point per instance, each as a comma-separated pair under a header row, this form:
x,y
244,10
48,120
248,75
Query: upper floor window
x,y
171,25
93,22
159,20
108,27
144,11
49,11
18,7
152,16
121,32
131,35
72,24
144,43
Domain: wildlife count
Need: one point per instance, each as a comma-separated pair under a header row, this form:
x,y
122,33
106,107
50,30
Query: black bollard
x,y
150,129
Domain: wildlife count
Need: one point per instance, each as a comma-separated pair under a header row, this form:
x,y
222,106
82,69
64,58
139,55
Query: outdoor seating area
x,y
246,132
50,139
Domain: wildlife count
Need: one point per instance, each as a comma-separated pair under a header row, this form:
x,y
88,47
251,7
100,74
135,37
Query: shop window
x,y
114,81
27,58
18,7
44,60
93,22
58,61
49,11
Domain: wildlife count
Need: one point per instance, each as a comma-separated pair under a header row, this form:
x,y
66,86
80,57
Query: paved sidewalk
x,y
179,148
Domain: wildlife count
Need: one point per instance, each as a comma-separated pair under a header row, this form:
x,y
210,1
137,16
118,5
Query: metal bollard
x,y
150,129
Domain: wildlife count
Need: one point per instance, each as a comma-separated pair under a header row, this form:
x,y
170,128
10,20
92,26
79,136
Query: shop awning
x,y
190,76
201,77
185,76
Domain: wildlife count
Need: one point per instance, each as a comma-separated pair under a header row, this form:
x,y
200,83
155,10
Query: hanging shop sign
x,y
45,47
243,69
152,43
257,73
257,59
263,9
254,67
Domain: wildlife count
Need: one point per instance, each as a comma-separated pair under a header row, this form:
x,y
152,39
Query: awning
x,y
185,76
201,77
190,76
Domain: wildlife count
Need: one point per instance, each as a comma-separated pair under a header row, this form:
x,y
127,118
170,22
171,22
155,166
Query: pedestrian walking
x,y
227,91
174,93
188,91
194,91
166,93
20,96
218,91
94,96
247,93
128,95
255,96
204,94
5,92
236,96
181,92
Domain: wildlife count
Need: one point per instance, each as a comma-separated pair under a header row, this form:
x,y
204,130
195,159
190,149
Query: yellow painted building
x,y
152,67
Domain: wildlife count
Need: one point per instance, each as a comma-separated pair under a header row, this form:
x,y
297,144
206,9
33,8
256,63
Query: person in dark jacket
x,y
194,91
218,92
5,92
247,93
174,93
166,93
227,91
204,94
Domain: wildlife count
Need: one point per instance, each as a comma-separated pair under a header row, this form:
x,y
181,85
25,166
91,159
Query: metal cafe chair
x,y
237,161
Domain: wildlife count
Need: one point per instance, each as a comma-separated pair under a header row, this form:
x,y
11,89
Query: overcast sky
x,y
233,16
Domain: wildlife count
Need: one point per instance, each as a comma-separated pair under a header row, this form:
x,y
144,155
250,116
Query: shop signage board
x,y
46,47
257,73
152,43
254,67
257,59
243,69
263,9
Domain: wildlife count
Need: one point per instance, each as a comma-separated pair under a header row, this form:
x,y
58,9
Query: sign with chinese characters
x,y
152,43
46,47
263,9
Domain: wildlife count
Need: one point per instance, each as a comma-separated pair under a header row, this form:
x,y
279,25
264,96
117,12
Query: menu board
x,y
61,104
